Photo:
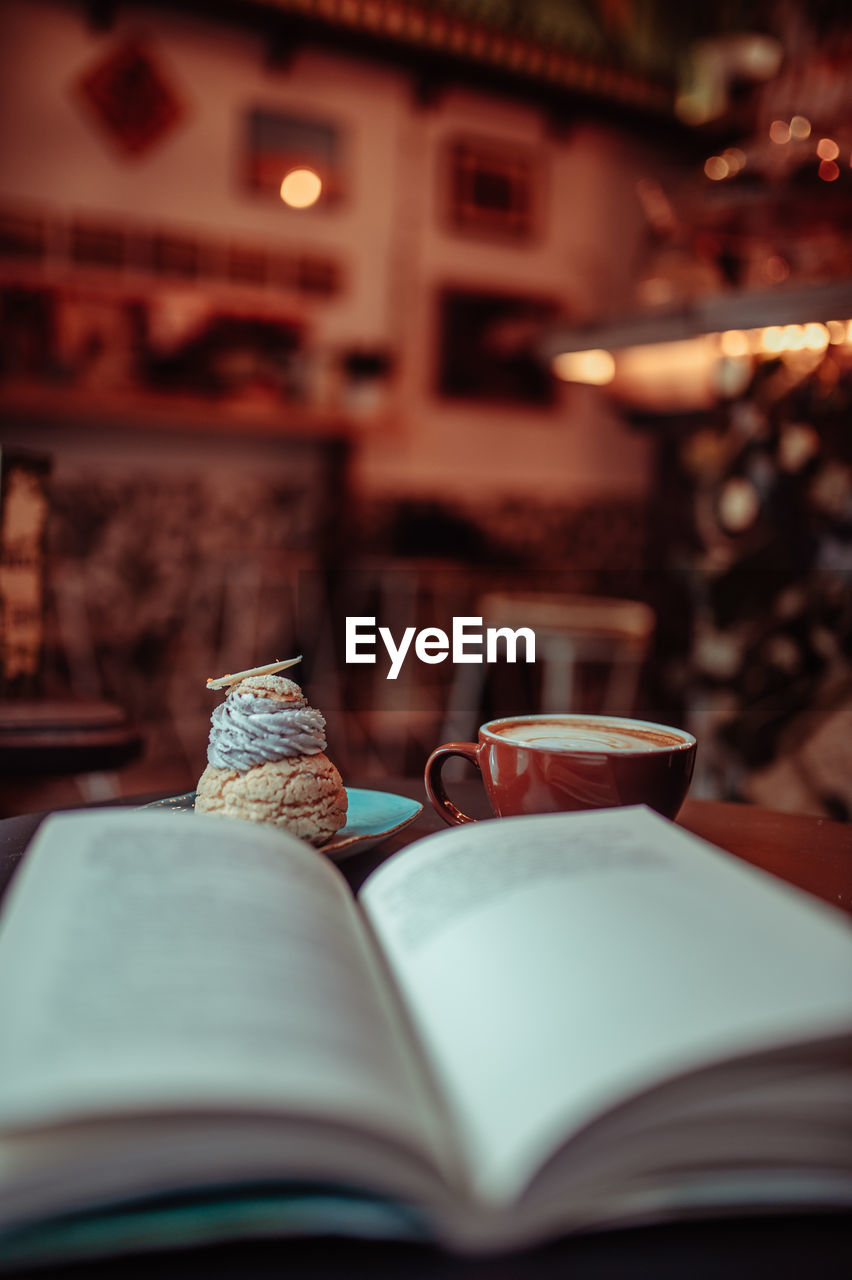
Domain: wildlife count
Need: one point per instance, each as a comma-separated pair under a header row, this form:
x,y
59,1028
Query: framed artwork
x,y
485,347
277,142
490,189
130,96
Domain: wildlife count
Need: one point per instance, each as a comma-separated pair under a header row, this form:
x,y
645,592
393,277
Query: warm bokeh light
x,y
739,505
827,149
734,343
779,131
595,367
828,170
816,337
734,158
800,128
732,376
301,188
776,269
656,291
656,205
798,444
691,108
687,369
760,55
716,168
677,375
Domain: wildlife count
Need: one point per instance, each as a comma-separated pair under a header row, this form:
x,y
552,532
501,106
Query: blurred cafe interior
x,y
537,311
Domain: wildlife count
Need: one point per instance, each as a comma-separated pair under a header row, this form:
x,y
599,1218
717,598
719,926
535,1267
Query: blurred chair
x,y
575,635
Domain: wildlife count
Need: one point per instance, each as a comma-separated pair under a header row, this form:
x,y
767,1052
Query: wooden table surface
x,y
812,853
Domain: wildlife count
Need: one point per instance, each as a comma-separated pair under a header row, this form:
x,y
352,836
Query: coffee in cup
x,y
556,763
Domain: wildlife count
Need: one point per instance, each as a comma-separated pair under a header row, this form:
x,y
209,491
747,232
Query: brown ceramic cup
x,y
556,763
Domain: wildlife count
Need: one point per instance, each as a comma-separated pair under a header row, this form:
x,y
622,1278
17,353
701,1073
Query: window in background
x,y
279,144
485,346
490,189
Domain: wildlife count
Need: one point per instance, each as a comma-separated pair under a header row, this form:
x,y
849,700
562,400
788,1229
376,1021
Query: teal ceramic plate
x,y
371,818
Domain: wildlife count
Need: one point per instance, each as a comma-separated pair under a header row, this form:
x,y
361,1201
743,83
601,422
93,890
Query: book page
x,y
153,962
555,965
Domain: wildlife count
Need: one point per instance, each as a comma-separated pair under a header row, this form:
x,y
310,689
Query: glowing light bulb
x,y
301,188
827,149
779,131
739,505
800,128
772,340
716,168
793,337
734,343
734,158
836,331
816,337
828,170
595,367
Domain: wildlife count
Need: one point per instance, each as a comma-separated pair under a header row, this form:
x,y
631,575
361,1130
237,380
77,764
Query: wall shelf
x,y
785,304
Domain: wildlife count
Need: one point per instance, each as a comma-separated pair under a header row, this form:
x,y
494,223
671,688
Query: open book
x,y
522,1028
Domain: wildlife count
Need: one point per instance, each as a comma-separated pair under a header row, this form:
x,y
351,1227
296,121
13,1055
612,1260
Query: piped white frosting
x,y
248,729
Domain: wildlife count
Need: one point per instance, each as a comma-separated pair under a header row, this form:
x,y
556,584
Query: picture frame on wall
x,y
485,345
491,189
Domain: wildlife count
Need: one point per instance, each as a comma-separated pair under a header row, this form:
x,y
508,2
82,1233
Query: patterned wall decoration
x,y
130,96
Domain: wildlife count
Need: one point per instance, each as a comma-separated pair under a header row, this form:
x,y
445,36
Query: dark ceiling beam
x,y
427,89
101,14
283,32
283,39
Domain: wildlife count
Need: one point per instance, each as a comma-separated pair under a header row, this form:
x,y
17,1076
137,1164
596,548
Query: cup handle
x,y
435,784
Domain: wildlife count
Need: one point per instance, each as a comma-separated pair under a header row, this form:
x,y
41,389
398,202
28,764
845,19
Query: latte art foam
x,y
588,735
